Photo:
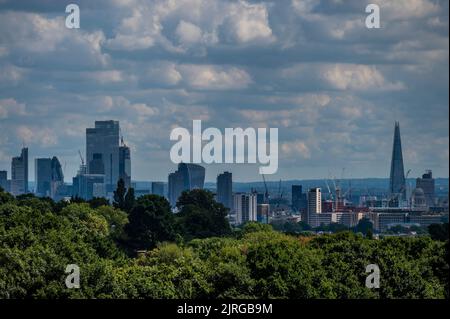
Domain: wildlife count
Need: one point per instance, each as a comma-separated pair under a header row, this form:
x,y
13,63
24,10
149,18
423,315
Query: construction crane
x,y
280,194
81,157
266,194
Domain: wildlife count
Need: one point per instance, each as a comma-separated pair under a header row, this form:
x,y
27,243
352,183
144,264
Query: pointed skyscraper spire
x,y
397,178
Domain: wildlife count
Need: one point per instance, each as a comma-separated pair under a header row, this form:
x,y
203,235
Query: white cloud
x,y
162,72
296,149
37,135
214,77
248,23
10,107
188,33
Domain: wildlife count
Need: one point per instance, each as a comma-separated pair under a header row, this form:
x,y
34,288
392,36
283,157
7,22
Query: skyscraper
x,y
175,187
244,208
158,188
4,180
19,173
125,165
104,140
225,189
299,201
187,177
397,186
426,183
314,203
48,176
43,176
88,186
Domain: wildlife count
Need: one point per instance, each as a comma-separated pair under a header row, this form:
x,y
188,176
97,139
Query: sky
x,y
310,68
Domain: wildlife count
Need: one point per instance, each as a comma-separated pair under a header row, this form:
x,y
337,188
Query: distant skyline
x,y
310,68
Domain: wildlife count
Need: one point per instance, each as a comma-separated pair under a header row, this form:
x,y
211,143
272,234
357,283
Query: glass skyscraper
x,y
187,177
102,143
19,173
48,176
397,186
225,189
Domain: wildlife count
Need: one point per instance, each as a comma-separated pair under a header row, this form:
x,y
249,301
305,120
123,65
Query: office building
x,y
88,186
426,183
158,188
43,176
299,200
244,208
225,189
4,180
314,203
19,173
96,165
397,185
125,164
48,176
103,141
186,177
262,213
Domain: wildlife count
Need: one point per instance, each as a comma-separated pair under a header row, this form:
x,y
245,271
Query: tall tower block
x,y
397,184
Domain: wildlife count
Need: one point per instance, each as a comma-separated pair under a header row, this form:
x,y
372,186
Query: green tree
x,y
119,195
129,200
5,197
364,225
150,221
98,201
201,216
439,231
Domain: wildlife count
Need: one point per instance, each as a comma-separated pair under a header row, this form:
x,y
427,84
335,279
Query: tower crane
x,y
266,194
81,157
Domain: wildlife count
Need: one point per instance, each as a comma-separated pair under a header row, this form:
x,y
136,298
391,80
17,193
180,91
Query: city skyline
x,y
331,86
124,158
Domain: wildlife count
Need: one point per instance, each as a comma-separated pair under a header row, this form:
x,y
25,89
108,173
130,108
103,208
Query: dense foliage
x,y
38,238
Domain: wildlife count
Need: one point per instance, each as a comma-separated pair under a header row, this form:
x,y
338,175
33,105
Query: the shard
x,y
397,186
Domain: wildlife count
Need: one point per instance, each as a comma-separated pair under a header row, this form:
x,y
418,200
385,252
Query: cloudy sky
x,y
311,68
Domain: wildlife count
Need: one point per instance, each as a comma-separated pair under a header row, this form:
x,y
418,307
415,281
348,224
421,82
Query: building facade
x,y
186,177
103,141
158,188
4,180
314,203
426,183
19,173
244,208
225,189
397,185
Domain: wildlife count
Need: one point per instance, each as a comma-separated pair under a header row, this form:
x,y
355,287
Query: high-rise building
x,y
225,189
158,188
48,176
19,173
43,176
262,213
244,208
4,180
96,165
175,187
187,177
125,165
103,140
299,200
397,185
426,183
88,186
314,202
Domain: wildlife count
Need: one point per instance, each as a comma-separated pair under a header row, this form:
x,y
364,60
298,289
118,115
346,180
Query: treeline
x,y
195,254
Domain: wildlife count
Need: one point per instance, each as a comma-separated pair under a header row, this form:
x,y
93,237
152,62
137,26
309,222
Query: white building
x,y
244,208
314,203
